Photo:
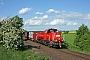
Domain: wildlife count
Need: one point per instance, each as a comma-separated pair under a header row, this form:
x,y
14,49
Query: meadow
x,y
69,38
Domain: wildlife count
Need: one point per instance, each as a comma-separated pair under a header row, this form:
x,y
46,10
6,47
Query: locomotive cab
x,y
51,30
55,37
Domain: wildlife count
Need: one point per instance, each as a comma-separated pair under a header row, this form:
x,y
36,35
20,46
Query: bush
x,y
12,33
72,47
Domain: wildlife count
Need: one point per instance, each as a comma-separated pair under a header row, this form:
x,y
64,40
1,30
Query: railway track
x,y
60,54
78,54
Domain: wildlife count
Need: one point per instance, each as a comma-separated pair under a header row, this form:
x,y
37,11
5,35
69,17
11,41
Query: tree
x,y
82,37
17,21
82,30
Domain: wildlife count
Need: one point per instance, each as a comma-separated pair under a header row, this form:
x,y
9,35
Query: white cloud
x,y
40,18
75,23
33,22
47,23
2,17
56,22
74,14
71,16
53,11
35,17
24,10
44,17
87,17
72,23
39,13
36,20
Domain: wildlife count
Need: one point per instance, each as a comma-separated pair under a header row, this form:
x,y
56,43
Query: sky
x,y
44,14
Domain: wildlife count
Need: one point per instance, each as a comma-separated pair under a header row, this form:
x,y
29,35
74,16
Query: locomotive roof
x,y
52,28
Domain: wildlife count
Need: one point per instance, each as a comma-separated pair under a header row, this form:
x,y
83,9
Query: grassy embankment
x,y
19,55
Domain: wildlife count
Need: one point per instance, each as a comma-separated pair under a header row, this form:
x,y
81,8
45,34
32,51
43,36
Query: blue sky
x,y
44,14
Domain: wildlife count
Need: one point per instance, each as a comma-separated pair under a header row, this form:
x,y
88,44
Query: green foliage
x,y
82,39
84,42
19,55
82,30
12,33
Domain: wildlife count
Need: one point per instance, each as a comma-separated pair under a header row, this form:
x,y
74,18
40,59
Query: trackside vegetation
x,y
19,55
82,39
12,46
79,41
11,33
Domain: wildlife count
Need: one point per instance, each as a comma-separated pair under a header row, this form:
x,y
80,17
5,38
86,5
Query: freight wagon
x,y
51,37
25,36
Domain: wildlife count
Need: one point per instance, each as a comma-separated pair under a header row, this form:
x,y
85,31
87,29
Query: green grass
x,y
69,38
19,55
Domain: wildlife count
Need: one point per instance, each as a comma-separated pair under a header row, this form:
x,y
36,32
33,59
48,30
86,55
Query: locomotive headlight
x,y
57,35
58,38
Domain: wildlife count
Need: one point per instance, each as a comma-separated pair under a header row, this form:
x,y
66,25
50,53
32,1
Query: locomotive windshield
x,y
52,30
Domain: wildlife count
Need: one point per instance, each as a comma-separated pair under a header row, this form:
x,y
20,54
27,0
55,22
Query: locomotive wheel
x,y
50,44
45,43
60,45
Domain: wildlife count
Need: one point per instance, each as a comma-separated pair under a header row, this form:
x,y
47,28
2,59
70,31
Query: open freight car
x,y
50,37
26,36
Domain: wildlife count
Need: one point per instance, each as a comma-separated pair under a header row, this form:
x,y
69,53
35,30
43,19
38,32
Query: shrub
x,y
12,33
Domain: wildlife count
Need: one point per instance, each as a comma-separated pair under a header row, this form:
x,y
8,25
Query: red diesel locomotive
x,y
50,37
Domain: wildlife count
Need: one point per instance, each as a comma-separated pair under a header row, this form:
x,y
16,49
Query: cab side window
x,y
51,30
